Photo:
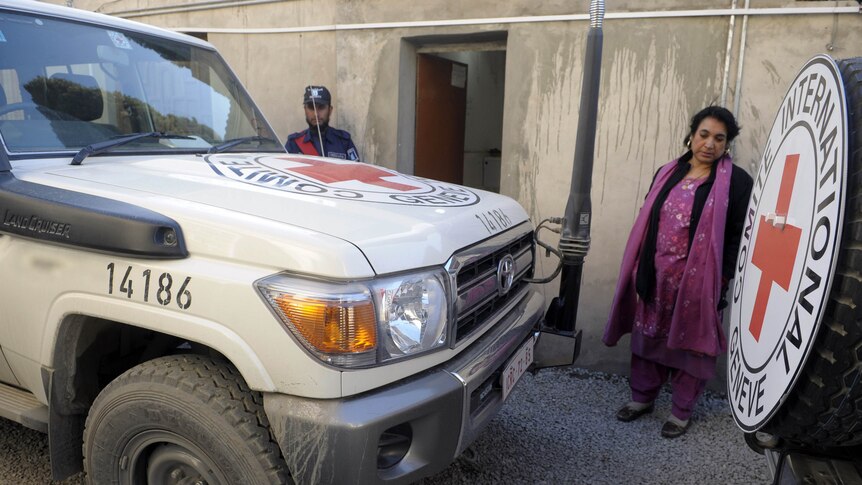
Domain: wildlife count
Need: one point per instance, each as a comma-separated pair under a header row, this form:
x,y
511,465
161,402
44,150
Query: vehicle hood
x,y
398,221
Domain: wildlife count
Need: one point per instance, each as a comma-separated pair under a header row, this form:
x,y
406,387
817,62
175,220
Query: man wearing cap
x,y
335,143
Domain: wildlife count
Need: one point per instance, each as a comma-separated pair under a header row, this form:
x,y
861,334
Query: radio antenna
x,y
317,123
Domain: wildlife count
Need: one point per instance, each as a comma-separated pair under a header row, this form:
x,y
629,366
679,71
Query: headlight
x,y
412,313
358,324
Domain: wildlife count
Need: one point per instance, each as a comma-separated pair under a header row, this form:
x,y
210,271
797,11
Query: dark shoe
x,y
673,430
626,413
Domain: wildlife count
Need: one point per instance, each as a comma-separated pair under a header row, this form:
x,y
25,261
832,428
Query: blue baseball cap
x,y
317,94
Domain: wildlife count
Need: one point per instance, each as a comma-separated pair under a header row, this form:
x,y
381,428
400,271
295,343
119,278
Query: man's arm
x,y
291,145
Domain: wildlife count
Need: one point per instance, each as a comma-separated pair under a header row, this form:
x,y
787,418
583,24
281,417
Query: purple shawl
x,y
696,322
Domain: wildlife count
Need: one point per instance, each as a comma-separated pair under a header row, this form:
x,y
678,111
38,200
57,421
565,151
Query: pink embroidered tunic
x,y
695,327
653,318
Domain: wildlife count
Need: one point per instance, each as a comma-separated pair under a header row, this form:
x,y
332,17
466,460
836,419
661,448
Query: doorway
x,y
452,96
441,113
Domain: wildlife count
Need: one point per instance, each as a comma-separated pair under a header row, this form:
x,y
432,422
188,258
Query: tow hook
x,y
470,458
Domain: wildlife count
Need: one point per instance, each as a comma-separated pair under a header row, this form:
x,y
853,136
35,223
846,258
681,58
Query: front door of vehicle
x,y
9,95
6,375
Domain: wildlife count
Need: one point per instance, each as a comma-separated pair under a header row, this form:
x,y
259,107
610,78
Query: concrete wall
x,y
655,74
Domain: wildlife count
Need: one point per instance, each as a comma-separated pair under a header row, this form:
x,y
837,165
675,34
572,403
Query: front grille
x,y
479,298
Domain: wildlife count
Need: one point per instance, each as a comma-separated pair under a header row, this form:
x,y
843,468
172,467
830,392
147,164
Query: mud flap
x,y
556,348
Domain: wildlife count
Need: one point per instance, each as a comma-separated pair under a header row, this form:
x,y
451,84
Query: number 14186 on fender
x,y
149,286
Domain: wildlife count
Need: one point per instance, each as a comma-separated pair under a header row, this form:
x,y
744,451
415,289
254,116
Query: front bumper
x,y
338,441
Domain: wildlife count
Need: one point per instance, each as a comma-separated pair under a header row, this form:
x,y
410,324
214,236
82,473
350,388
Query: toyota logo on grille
x,y
505,274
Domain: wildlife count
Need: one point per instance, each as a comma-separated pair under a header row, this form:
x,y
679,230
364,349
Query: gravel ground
x,y
557,428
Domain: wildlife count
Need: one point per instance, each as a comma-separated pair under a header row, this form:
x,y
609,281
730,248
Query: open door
x,y
441,108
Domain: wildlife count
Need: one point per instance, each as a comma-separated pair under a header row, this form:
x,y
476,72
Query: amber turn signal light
x,y
332,327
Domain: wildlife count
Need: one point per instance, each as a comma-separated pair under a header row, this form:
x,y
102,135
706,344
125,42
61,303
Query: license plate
x,y
517,366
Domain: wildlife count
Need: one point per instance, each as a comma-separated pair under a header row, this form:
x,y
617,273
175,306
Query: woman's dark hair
x,y
721,114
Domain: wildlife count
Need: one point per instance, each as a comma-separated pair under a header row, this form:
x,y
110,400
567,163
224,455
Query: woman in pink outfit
x,y
677,263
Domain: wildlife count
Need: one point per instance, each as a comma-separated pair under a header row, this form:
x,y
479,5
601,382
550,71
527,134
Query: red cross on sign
x,y
328,172
775,248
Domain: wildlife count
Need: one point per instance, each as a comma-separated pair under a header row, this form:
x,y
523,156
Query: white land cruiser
x,y
184,302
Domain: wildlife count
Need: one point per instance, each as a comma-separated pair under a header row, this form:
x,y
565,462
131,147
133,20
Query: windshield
x,y
67,85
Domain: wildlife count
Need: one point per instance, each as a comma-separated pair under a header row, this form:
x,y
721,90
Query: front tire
x,y
180,419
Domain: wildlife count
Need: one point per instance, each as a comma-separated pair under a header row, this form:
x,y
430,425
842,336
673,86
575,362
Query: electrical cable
x,y
548,249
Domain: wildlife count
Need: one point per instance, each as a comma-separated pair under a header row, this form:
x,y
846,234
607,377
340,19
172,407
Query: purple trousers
x,y
647,377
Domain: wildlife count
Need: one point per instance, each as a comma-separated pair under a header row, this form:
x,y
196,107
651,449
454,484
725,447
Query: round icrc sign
x,y
339,179
789,245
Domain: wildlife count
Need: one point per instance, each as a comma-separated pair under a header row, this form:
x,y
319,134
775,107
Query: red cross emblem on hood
x,y
328,172
775,247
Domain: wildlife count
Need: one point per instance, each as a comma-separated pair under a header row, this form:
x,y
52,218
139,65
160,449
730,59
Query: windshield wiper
x,y
238,141
108,145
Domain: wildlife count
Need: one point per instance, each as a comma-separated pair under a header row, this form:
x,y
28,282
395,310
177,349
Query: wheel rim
x,y
163,457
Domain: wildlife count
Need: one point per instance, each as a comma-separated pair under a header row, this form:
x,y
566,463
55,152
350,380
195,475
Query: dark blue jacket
x,y
336,144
